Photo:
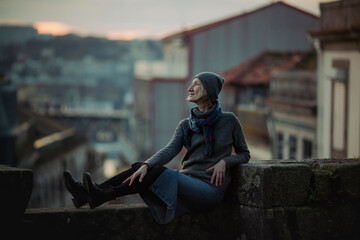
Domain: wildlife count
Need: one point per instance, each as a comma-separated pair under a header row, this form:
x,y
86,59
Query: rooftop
x,y
205,27
260,69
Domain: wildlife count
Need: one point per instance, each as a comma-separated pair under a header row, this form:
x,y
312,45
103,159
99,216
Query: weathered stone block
x,y
320,189
324,222
269,184
268,224
302,223
15,191
335,181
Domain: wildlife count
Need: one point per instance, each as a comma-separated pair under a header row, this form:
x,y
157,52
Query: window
x,y
292,147
307,149
338,116
339,108
280,145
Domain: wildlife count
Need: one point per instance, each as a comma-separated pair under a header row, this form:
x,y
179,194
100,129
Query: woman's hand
x,y
219,172
142,171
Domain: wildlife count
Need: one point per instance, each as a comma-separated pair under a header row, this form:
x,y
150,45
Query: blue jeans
x,y
178,194
196,194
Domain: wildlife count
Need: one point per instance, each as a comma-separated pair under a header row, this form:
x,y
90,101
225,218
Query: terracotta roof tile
x,y
259,69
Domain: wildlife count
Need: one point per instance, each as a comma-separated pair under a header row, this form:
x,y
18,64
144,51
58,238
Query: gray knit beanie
x,y
212,84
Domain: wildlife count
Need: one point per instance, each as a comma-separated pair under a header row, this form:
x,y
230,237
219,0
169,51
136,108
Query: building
x,y
17,34
337,44
158,111
251,82
48,147
292,104
160,87
44,145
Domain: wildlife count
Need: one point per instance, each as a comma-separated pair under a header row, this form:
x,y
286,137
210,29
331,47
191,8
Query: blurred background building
x,y
67,103
248,46
337,45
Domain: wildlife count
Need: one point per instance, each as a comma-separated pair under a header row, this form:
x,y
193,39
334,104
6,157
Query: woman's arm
x,y
242,153
167,153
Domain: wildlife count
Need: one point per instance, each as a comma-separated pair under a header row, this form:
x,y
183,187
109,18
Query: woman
x,y
209,136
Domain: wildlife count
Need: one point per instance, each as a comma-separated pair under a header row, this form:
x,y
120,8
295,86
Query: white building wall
x,y
325,97
176,51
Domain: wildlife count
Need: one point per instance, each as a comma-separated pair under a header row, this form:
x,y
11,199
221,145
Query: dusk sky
x,y
128,19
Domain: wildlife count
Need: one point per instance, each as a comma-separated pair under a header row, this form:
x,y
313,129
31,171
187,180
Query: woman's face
x,y
196,91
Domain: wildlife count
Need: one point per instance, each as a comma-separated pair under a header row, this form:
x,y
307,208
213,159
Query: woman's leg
x,y
119,178
109,190
80,195
197,194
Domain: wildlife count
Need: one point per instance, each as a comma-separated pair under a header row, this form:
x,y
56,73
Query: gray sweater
x,y
228,136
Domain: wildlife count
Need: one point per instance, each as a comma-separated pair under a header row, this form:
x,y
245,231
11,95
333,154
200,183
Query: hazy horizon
x,y
128,19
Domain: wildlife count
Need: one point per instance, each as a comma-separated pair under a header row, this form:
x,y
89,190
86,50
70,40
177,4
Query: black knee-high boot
x,y
99,195
80,195
76,189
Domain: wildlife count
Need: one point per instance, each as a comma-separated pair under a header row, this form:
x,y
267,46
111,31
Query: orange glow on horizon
x,y
125,35
54,28
59,29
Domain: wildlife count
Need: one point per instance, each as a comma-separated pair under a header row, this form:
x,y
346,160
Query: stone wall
x,y
312,199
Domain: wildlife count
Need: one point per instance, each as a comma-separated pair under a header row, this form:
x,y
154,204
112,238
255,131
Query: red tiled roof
x,y
259,69
205,27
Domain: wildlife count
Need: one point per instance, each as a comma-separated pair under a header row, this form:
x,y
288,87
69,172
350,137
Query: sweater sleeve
x,y
167,153
242,153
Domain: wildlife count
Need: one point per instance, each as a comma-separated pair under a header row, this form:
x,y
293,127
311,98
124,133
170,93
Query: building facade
x,y
337,44
292,120
216,47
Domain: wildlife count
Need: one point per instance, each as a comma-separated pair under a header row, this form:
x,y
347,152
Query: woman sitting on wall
x,y
209,135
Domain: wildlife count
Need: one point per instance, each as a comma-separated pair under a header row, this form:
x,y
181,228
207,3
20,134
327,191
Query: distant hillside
x,y
75,47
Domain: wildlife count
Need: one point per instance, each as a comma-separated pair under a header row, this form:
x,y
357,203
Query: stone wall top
x,y
287,183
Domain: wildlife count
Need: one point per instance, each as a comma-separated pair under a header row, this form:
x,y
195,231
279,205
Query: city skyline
x,y
124,19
